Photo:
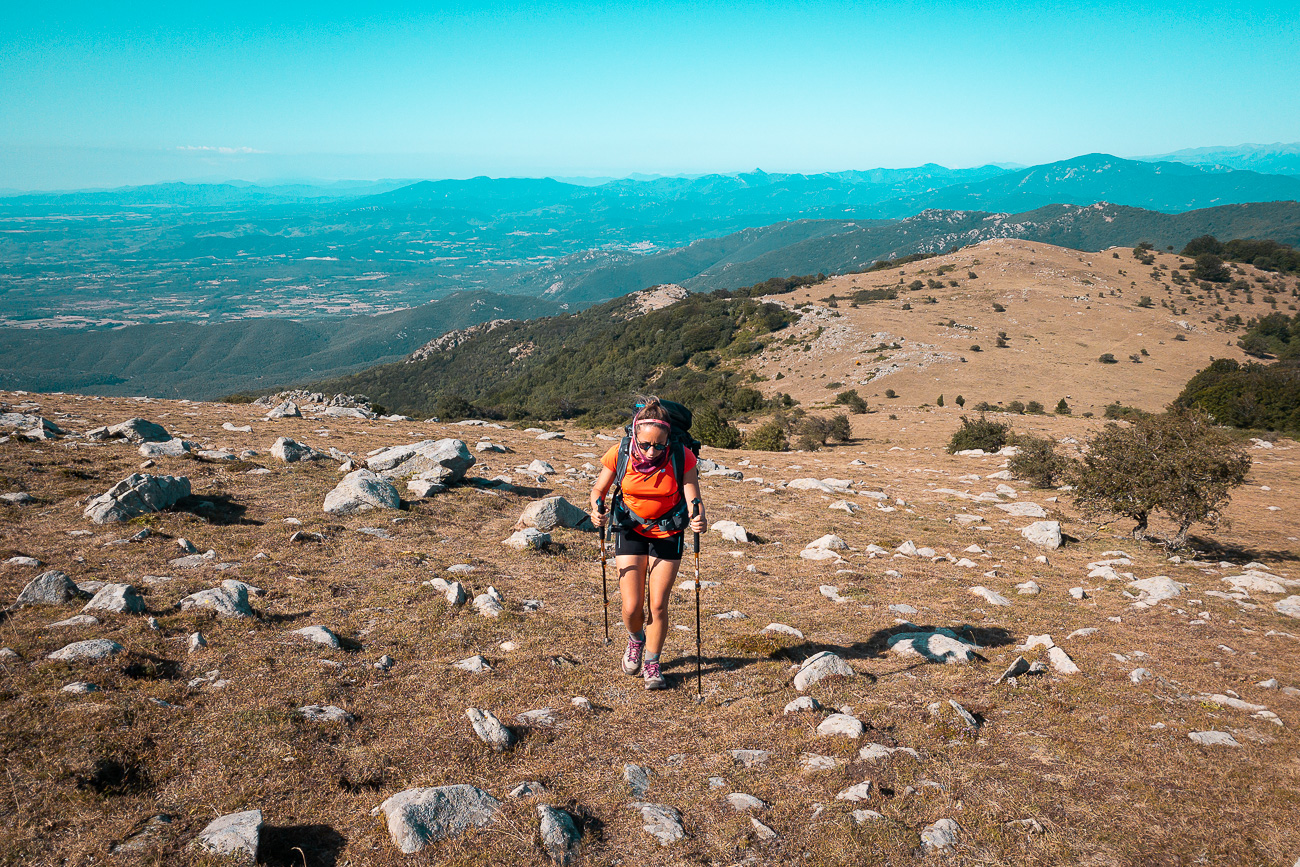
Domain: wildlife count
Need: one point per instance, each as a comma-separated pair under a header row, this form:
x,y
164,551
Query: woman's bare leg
x,y
631,587
662,575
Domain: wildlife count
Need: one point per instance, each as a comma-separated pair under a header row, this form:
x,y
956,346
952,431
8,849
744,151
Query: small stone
x,y
418,817
385,662
87,651
662,822
1213,739
559,834
803,703
740,802
761,831
197,642
1045,534
941,835
782,629
474,665
528,538
489,729
1028,588
859,792
1017,668
118,598
862,816
990,596
328,713
750,758
941,645
528,789
49,588
1061,661
580,702
841,724
637,779
79,687
820,666
1078,593
319,635
235,836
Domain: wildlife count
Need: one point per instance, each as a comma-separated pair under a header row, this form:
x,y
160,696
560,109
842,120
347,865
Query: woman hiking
x,y
653,504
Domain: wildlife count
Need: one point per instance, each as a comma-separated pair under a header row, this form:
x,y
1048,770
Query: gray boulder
x,y
288,409
18,498
292,451
137,430
328,713
941,835
731,531
1045,534
1023,509
938,645
418,817
121,598
87,651
1289,606
137,494
49,588
361,491
661,822
559,834
819,666
530,537
236,836
554,512
637,779
319,635
489,729
443,461
228,600
173,448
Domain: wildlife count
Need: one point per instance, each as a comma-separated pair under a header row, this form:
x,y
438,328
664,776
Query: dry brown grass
x,y
1077,754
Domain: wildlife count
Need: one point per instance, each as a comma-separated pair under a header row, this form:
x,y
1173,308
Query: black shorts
x,y
631,542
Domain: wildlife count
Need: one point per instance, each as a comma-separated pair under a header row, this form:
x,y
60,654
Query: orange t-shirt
x,y
651,495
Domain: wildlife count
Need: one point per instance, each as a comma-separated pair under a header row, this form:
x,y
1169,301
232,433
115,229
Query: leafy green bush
x,y
839,428
811,433
1016,406
1107,358
713,429
1034,408
890,393
1037,461
1119,412
1062,408
852,400
982,433
1275,334
768,437
1251,395
1177,463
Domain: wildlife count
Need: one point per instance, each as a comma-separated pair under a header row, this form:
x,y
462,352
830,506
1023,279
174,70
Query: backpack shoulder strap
x,y
624,453
678,456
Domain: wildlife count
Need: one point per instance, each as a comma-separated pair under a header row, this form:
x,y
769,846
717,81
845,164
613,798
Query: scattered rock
x,y
489,729
87,651
559,834
173,448
17,499
1023,509
228,600
236,836
319,635
1028,588
1045,534
941,835
552,512
137,430
474,665
1289,606
137,494
1213,739
845,506
841,724
1061,661
21,560
661,822
820,666
1153,590
443,461
196,642
292,451
49,588
527,538
79,687
288,409
829,542
360,491
859,792
119,598
782,629
761,831
489,604
730,531
637,779
990,596
418,817
75,620
940,645
750,758
1018,667
875,752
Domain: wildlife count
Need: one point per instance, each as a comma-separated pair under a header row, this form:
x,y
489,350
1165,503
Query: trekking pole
x,y
604,579
699,677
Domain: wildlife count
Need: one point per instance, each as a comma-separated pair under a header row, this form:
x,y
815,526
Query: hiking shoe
x,y
632,656
653,678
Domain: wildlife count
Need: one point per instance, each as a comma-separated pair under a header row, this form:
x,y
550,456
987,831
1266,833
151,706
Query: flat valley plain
x,y
1103,766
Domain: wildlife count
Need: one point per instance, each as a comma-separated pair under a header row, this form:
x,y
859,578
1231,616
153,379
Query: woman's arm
x,y
598,492
691,490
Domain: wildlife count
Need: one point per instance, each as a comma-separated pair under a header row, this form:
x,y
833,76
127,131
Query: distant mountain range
x,y
1270,159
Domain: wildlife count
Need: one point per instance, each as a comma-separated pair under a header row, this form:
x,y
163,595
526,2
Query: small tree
x,y
1037,461
1107,358
979,434
961,401
768,437
1062,408
939,402
1034,408
839,429
713,429
852,400
890,393
812,433
1177,463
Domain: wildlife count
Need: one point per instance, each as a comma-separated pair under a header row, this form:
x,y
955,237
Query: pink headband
x,y
663,424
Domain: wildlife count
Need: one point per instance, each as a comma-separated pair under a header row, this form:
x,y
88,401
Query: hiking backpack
x,y
679,440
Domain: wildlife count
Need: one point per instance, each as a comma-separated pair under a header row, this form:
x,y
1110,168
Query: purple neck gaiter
x,y
640,462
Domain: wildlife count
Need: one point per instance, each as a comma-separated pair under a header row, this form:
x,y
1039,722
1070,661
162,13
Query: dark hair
x,y
653,410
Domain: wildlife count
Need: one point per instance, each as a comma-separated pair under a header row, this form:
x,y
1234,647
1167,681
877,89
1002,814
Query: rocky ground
x,y
893,672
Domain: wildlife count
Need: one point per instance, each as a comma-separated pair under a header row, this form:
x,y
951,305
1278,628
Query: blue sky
x,y
111,93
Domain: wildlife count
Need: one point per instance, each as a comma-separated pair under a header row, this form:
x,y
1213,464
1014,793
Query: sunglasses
x,y
645,447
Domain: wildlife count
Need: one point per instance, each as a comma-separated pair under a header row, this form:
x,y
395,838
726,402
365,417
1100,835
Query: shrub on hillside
x,y
839,428
768,437
852,400
1107,358
1178,464
1037,461
1119,412
1062,408
713,429
811,433
982,433
1251,395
